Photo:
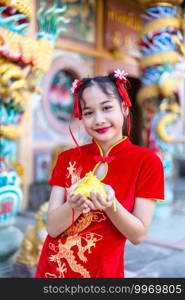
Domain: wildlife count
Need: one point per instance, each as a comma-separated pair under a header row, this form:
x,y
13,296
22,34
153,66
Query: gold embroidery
x,y
85,220
74,172
83,242
71,169
61,268
64,251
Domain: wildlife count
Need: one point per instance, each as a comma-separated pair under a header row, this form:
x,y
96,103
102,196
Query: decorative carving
x,y
33,239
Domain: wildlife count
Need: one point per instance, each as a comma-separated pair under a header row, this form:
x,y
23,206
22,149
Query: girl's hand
x,y
78,202
97,200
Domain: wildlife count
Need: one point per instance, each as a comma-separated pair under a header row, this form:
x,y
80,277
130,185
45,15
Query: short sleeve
x,y
58,174
150,182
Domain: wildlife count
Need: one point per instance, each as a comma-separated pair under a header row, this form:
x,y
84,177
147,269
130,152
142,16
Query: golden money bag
x,y
90,183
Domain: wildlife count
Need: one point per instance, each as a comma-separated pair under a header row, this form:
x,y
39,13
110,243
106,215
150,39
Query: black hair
x,y
106,83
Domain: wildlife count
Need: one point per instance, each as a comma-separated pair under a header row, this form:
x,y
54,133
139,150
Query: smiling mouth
x,y
102,130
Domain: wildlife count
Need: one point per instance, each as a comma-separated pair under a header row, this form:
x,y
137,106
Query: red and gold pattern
x,y
64,254
73,172
96,249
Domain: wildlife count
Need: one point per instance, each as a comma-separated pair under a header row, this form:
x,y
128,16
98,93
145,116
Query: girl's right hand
x,y
78,202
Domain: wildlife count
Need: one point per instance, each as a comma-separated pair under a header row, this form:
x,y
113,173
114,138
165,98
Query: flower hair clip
x,y
74,90
121,75
75,86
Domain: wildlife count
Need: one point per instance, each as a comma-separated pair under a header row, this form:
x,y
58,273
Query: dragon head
x,y
15,15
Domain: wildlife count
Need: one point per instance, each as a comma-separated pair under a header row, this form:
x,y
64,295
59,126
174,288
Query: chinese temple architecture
x,y
45,45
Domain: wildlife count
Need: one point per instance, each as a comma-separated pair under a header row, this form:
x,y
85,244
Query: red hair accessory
x,y
121,77
74,90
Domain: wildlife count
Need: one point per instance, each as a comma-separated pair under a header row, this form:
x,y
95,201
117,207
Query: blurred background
x,y
44,46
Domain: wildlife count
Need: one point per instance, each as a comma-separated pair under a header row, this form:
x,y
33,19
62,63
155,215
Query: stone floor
x,y
154,261
169,229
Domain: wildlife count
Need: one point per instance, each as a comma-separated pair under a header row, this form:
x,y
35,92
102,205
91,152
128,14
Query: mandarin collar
x,y
117,147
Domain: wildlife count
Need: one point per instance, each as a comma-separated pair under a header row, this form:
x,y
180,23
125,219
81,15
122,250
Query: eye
x,y
105,108
88,113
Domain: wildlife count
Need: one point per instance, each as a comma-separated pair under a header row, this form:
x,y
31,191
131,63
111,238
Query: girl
x,y
87,236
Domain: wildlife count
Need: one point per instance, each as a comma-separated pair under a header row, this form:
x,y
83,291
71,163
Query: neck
x,y
105,146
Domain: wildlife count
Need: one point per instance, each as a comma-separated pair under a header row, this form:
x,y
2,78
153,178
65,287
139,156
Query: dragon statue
x,y
162,68
23,62
31,245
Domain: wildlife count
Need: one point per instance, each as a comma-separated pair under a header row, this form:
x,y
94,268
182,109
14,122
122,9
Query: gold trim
x,y
96,166
82,49
124,138
146,3
106,164
101,152
156,199
160,4
106,171
159,58
160,23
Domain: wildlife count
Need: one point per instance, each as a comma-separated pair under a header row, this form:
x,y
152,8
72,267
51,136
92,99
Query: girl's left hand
x,y
97,200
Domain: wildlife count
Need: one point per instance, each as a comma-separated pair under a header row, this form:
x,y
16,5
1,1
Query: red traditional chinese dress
x,y
97,247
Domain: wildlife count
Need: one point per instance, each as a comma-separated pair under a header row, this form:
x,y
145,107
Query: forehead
x,y
94,93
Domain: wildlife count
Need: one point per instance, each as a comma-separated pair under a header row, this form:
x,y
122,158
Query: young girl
x,y
87,236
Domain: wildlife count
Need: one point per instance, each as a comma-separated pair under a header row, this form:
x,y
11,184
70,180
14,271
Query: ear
x,y
125,110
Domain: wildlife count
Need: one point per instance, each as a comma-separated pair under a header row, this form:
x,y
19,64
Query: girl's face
x,y
102,115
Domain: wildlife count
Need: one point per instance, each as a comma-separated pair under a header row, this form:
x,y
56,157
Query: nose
x,y
99,118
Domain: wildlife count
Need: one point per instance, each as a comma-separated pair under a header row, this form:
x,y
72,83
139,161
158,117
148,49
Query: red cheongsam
x,y
97,247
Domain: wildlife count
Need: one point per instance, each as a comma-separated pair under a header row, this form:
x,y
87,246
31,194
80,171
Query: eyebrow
x,y
87,107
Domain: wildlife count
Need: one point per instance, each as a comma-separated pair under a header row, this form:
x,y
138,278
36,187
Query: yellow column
x,y
99,33
25,143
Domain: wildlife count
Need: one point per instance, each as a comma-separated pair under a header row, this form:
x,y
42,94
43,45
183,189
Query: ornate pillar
x,y
162,69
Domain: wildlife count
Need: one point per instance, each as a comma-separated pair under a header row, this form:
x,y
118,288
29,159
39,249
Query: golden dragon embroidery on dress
x,y
73,172
65,251
84,221
83,242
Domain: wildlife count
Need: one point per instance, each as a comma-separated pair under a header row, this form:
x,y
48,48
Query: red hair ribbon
x,y
74,89
106,159
123,92
121,77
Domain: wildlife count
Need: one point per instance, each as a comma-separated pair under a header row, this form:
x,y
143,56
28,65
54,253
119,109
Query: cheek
x,y
119,118
86,123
